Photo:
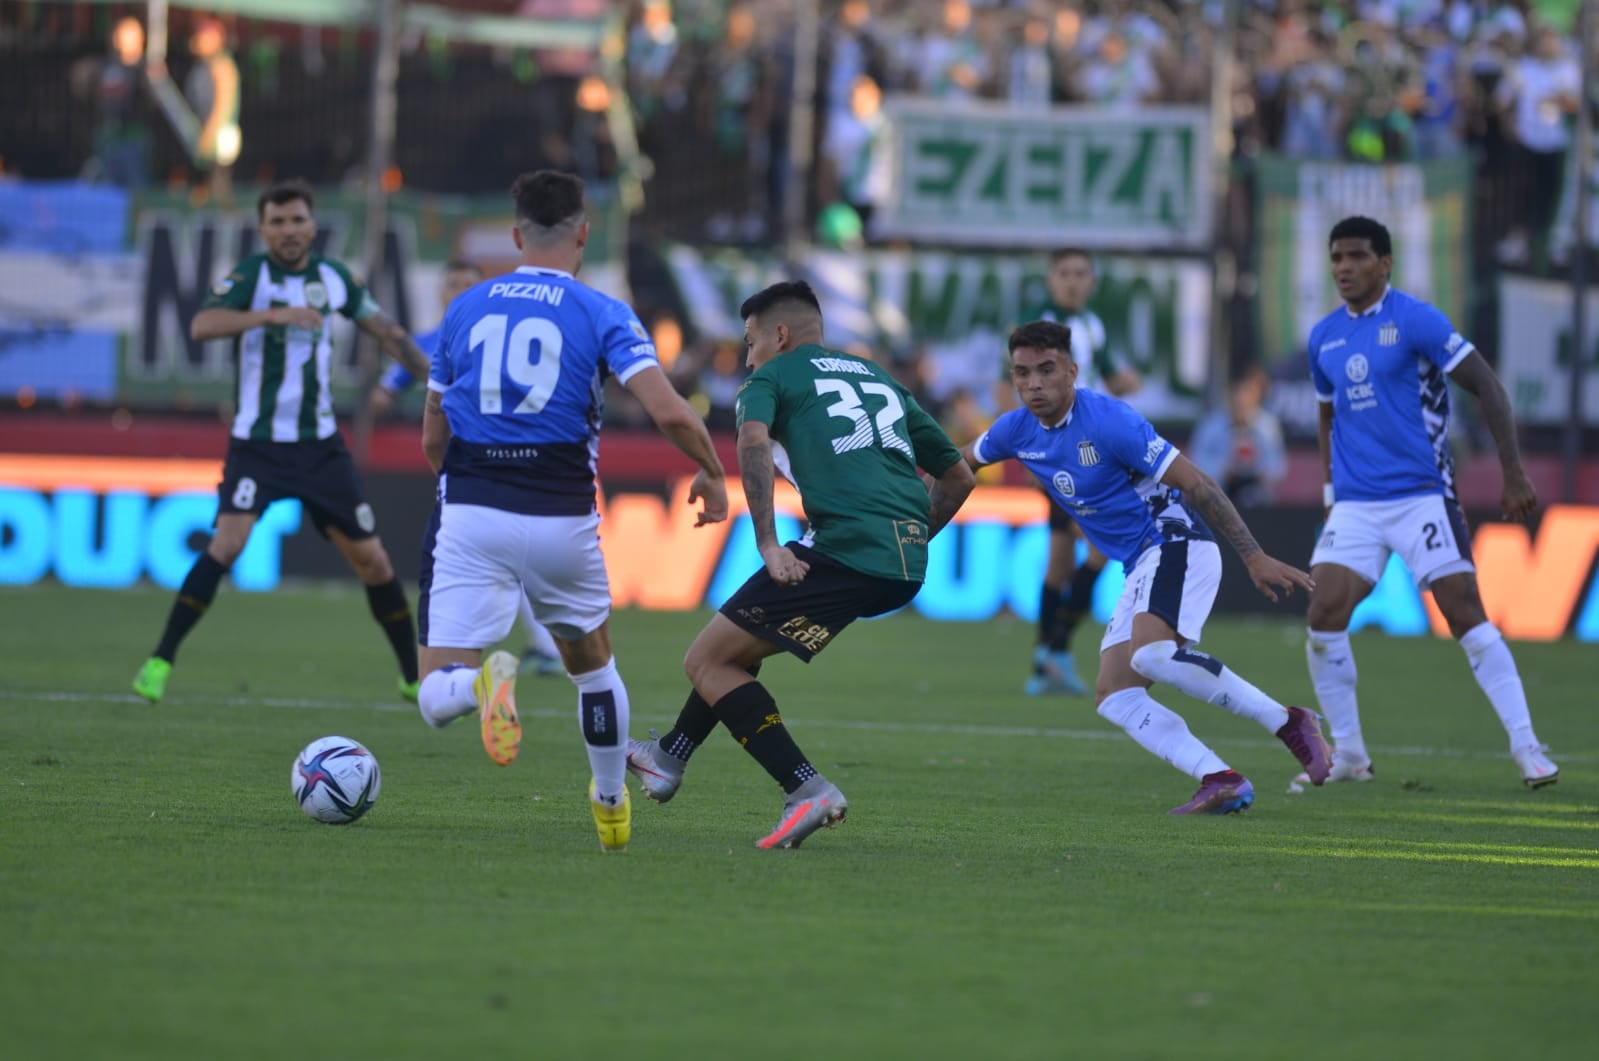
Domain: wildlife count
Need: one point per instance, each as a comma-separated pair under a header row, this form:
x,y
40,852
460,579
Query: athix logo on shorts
x,y
1086,454
1357,368
1064,484
1388,334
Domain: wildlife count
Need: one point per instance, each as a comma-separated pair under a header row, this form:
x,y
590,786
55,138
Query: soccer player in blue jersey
x,y
540,655
1143,503
512,426
1381,365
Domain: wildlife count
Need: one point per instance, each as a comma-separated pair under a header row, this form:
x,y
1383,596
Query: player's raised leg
x,y
1494,668
194,598
1174,588
1123,699
468,602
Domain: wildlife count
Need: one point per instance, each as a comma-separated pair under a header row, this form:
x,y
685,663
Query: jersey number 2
x,y
515,356
849,407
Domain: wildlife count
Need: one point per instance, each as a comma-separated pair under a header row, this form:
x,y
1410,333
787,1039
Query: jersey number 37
x,y
514,355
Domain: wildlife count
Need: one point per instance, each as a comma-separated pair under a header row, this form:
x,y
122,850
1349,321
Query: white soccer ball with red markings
x,y
335,780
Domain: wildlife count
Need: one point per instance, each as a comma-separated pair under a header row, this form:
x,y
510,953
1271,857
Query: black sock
x,y
693,726
199,589
694,723
751,715
1049,603
392,612
1077,603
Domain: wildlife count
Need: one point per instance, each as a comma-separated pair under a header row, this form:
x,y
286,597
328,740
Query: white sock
x,y
1495,670
1333,676
1161,732
446,694
1207,678
602,715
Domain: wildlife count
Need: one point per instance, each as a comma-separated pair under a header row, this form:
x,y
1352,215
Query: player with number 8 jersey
x,y
285,443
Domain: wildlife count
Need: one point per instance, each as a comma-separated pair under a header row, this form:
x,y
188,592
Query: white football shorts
x,y
1177,582
476,560
1427,532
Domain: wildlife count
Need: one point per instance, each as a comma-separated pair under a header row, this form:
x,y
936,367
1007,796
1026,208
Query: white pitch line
x,y
864,725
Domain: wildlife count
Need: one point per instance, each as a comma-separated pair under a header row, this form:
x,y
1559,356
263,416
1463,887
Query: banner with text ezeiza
x,y
986,174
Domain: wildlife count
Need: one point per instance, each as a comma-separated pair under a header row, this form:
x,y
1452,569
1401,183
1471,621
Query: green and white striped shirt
x,y
284,392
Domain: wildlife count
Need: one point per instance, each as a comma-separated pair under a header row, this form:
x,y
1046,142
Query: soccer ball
x,y
335,780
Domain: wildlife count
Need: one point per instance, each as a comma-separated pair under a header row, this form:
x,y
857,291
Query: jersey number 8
x,y
515,356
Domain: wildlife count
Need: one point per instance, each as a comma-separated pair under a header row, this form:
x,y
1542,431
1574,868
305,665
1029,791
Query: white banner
x,y
1535,342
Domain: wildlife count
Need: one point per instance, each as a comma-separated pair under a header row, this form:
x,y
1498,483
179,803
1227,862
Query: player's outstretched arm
x,y
396,342
1519,497
679,422
222,323
1202,494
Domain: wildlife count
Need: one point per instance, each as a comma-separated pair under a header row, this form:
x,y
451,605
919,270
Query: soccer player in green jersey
x,y
1071,283
850,439
284,442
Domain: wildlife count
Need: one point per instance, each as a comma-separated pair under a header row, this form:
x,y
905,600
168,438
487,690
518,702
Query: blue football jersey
x,y
521,362
395,378
1102,464
1386,373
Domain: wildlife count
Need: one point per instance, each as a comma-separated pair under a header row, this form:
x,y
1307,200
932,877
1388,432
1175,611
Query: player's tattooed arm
x,y
759,475
946,494
1209,501
397,343
1519,498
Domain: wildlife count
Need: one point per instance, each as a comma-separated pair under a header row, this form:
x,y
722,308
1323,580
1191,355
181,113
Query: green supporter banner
x,y
1426,207
988,175
176,252
956,308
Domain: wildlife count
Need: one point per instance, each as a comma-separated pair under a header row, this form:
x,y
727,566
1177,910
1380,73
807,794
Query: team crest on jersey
x,y
1357,369
316,295
222,286
1388,334
1086,454
1064,484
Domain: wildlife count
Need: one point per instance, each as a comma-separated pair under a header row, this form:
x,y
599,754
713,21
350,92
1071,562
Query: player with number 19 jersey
x,y
521,364
836,421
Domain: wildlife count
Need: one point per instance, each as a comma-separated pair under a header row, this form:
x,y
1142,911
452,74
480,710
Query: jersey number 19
x,y
515,357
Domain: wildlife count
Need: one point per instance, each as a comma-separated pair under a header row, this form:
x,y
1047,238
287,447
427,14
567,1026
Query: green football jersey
x,y
850,439
284,374
1089,348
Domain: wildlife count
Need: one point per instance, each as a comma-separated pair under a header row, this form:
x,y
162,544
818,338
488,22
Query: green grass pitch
x,y
1008,884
